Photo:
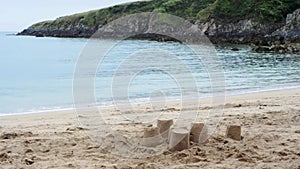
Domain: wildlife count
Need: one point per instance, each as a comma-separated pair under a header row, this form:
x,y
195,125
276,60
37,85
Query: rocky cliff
x,y
251,31
242,22
291,30
247,31
285,39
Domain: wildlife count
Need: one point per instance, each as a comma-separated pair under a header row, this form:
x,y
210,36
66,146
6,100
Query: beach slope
x,y
270,128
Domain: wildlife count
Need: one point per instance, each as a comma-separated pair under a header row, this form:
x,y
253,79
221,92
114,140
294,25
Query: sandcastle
x,y
179,137
152,137
198,133
164,126
234,132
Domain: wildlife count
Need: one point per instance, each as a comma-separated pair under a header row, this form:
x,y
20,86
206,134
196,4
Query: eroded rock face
x,y
291,30
292,27
286,39
248,31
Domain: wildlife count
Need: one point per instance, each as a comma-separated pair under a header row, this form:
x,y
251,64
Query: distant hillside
x,y
264,17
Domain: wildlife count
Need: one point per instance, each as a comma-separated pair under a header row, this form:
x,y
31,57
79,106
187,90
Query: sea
x,y
37,73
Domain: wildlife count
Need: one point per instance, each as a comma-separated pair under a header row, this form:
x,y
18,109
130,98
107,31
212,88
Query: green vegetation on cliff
x,y
263,10
273,11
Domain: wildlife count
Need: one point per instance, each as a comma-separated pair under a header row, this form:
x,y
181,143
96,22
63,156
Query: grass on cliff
x,y
273,11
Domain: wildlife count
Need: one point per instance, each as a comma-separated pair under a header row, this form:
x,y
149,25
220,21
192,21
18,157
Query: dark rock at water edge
x,y
285,48
76,33
235,49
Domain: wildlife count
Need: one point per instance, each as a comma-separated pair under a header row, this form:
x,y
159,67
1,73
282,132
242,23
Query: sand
x,y
270,129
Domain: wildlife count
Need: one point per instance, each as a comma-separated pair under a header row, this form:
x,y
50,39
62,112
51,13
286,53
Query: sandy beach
x,y
270,129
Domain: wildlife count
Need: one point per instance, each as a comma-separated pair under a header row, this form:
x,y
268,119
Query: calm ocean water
x,y
37,73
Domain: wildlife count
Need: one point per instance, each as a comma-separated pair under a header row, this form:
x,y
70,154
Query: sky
x,y
16,15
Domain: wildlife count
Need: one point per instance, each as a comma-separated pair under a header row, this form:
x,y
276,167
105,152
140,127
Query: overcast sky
x,y
16,15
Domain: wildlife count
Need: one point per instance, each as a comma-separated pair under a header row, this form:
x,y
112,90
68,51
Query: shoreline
x,y
107,106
